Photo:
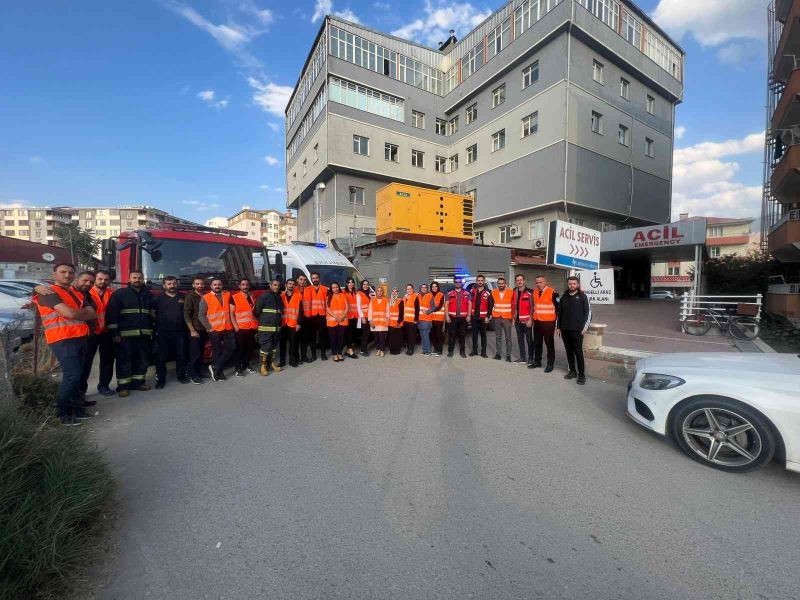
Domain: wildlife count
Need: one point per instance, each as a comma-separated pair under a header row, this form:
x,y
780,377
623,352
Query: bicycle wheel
x,y
696,325
744,328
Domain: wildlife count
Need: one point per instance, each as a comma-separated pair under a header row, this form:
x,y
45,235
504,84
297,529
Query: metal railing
x,y
789,215
692,304
784,288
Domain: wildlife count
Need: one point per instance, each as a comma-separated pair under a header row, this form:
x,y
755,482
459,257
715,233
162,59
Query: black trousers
x,y
544,331
365,335
573,346
380,340
197,346
317,335
410,335
223,347
337,336
172,343
395,338
525,341
478,327
103,343
245,348
289,339
353,334
133,358
457,329
437,336
71,355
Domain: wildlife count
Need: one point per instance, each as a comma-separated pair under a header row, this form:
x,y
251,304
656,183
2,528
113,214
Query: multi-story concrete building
x,y
34,224
219,222
548,109
269,226
109,221
780,212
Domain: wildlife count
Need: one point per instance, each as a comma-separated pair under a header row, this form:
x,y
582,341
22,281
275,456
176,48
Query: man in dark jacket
x,y
197,331
129,318
171,332
482,304
269,312
574,316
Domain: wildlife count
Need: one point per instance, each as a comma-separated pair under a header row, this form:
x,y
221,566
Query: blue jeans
x,y
71,354
425,334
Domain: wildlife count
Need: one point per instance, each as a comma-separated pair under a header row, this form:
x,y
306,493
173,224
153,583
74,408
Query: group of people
x,y
83,316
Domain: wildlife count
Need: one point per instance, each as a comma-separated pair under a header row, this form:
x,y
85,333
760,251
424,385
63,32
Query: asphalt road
x,y
427,478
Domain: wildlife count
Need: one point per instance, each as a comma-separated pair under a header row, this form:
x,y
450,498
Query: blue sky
x,y
179,103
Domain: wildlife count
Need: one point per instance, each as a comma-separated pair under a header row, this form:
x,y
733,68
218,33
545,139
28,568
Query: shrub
x,y
54,488
35,391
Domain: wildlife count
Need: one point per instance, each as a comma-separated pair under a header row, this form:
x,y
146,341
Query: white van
x,y
303,258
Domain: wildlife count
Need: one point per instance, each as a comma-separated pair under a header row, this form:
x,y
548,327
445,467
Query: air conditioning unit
x,y
538,244
515,231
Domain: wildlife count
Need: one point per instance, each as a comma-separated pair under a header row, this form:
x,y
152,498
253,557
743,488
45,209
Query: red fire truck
x,y
189,251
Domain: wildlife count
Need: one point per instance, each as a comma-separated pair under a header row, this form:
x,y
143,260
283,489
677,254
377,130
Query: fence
x,y
692,304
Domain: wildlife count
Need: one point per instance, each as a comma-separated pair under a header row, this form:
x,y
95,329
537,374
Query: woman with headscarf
x,y
435,308
336,320
353,318
363,299
395,310
378,316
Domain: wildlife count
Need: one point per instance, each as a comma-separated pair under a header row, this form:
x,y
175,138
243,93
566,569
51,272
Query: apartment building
x,y
724,237
106,222
219,222
548,109
34,224
268,226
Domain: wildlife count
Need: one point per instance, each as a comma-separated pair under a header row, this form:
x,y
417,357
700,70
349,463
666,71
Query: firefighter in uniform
x,y
315,297
269,312
129,318
459,307
481,314
245,324
545,309
501,317
292,301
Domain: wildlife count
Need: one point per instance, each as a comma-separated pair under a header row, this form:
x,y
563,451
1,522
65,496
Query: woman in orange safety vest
x,y
378,316
352,337
395,310
336,320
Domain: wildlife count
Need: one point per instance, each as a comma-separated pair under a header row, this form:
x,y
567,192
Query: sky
x,y
179,104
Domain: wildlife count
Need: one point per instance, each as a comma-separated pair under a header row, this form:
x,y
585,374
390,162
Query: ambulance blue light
x,y
320,245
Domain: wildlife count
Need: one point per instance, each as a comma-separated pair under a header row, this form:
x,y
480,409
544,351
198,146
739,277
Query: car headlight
x,y
657,381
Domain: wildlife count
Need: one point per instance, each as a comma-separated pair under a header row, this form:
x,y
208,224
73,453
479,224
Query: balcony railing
x,y
792,215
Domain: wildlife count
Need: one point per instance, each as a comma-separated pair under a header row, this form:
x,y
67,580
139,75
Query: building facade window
x,y
505,234
498,95
361,145
714,251
536,229
498,140
452,125
418,119
472,113
530,74
649,148
305,166
472,153
673,270
604,226
440,164
597,71
597,122
316,152
441,127
715,231
357,195
624,88
651,104
363,98
472,61
576,221
498,38
530,124
632,29
453,163
624,136
418,159
390,152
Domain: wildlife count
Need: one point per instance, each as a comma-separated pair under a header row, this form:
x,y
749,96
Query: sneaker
x,y
548,368
69,421
521,360
508,359
183,379
124,393
238,373
81,415
86,403
221,377
160,384
213,375
571,375
196,380
498,357
474,353
436,353
450,354
250,369
105,390
581,379
324,356
364,353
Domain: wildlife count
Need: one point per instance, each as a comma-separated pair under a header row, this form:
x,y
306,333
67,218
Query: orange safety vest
x,y
291,309
306,303
365,300
314,301
408,305
543,308
380,316
337,305
243,311
56,327
394,314
502,304
425,304
219,315
352,304
439,314
101,304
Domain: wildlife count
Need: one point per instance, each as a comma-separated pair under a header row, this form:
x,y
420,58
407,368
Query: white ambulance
x,y
304,258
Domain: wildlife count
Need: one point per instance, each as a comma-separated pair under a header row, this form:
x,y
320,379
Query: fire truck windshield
x,y
186,259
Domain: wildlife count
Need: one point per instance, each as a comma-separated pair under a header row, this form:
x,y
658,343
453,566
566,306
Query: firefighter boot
x,y
276,368
264,368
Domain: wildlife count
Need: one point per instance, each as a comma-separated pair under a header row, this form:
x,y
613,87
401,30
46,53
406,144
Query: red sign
x,y
657,236
671,279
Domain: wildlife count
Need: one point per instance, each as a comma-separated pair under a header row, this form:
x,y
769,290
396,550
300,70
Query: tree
x,y
81,244
739,274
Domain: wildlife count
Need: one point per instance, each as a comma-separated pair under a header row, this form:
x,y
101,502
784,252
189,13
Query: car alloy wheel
x,y
722,437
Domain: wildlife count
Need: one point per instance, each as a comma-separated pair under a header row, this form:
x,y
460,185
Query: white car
x,y
732,411
662,295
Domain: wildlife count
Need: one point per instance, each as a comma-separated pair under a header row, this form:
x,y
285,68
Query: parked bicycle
x,y
738,327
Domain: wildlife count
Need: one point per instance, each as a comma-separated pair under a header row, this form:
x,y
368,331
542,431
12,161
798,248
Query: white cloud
x,y
348,15
210,98
279,189
14,203
321,8
276,127
272,98
199,205
439,19
713,22
271,160
679,132
739,54
37,160
705,184
264,187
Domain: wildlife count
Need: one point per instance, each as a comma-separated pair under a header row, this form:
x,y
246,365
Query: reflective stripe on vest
x,y
365,300
306,300
408,308
438,298
462,298
544,310
338,306
219,315
352,305
483,310
291,309
380,315
316,300
101,305
394,314
425,304
502,303
243,312
56,327
525,304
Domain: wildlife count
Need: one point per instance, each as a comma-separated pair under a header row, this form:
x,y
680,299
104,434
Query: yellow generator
x,y
407,212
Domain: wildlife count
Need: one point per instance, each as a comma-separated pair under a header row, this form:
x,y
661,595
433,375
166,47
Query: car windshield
x,y
335,274
14,291
187,259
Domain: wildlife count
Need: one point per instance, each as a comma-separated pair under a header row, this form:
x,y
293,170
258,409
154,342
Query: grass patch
x,y
54,488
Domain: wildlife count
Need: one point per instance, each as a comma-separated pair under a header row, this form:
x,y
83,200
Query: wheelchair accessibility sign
x,y
598,285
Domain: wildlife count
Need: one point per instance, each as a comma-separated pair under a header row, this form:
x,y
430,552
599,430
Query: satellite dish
x,y
48,257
